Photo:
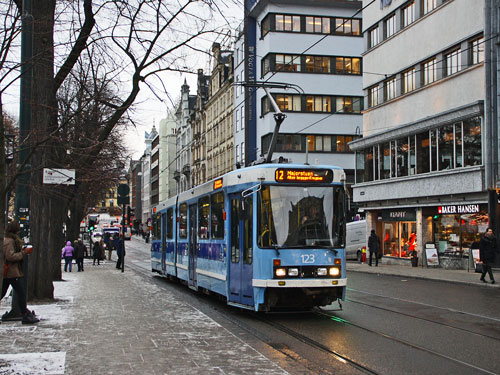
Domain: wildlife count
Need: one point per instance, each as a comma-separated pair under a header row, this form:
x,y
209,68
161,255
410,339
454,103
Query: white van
x,y
355,240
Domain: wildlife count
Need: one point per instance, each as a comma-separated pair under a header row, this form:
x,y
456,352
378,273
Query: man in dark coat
x,y
120,251
488,248
373,247
80,250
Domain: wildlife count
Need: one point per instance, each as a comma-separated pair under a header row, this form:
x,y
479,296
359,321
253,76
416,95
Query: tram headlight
x,y
334,271
280,272
293,272
321,271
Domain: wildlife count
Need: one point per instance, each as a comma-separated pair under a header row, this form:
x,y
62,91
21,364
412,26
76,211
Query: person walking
x,y
80,250
488,248
67,255
120,252
373,247
98,251
13,256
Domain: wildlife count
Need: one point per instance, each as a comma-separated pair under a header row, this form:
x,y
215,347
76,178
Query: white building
x,y
146,176
167,164
420,164
316,47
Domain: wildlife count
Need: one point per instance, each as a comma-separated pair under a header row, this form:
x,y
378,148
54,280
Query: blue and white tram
x,y
265,237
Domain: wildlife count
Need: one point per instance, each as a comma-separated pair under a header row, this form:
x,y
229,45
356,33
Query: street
x,y
388,325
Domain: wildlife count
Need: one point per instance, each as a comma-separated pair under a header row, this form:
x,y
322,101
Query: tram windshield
x,y
298,216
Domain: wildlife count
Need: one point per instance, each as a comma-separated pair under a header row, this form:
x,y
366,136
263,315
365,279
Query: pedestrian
x,y
67,255
97,251
488,248
80,250
120,252
373,247
13,269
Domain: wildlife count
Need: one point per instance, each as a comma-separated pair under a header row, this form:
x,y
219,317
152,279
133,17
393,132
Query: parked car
x,y
355,240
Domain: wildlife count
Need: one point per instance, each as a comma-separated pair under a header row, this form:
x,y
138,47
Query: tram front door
x,y
241,261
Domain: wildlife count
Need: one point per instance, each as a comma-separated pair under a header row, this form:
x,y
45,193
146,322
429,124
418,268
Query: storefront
x,y
457,228
397,230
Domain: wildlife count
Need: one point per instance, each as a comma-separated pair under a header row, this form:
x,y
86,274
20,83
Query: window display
x,y
399,239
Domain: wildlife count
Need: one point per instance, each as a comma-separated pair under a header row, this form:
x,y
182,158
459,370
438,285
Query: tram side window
x,y
217,203
266,231
170,222
156,227
204,216
183,220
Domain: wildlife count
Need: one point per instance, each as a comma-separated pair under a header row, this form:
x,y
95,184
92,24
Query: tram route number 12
x,y
307,258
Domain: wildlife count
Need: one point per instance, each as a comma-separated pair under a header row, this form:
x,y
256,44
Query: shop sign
x,y
459,209
399,215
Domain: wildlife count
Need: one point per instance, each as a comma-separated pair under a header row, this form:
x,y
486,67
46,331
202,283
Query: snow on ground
x,y
52,316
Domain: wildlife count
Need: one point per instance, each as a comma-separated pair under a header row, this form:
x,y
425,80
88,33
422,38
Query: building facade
x,y
146,177
219,114
167,184
315,48
420,174
199,130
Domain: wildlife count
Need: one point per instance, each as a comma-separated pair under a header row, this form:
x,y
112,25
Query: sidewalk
x,y
108,322
439,274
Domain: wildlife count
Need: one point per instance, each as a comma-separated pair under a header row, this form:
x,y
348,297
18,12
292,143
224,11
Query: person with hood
x,y
98,251
120,252
373,247
67,255
488,248
80,250
13,256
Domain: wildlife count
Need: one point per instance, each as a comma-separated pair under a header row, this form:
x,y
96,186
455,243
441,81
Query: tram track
x,y
404,342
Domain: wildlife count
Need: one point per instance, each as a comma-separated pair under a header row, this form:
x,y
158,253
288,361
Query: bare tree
x,y
140,39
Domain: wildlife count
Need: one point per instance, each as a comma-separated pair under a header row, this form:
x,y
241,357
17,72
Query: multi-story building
x,y
183,115
146,176
155,171
421,161
199,129
239,98
135,191
167,184
219,114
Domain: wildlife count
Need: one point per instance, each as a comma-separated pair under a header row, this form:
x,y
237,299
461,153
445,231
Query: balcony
x,y
186,170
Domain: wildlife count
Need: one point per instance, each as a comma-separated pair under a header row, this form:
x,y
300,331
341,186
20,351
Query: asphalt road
x,y
388,325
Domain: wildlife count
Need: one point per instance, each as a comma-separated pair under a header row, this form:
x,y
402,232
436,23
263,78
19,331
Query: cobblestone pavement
x,y
108,322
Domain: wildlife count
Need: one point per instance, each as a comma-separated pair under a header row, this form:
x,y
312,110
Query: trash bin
x,y
414,261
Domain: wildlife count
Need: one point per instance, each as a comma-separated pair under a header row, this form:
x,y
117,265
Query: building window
x,y
430,71
402,157
348,104
428,5
242,116
409,13
288,102
348,65
373,37
347,26
477,50
266,68
287,23
446,143
452,60
318,104
265,26
472,142
390,89
373,96
287,63
409,80
390,26
319,25
317,64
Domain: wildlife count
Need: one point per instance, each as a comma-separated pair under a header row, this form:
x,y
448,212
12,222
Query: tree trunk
x,y
46,217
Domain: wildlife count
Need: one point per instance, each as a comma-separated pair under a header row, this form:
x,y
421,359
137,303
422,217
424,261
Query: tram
x,y
267,237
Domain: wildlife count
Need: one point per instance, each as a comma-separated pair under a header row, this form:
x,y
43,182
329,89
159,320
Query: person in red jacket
x,y
14,253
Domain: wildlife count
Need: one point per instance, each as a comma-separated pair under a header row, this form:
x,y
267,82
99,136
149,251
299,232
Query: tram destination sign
x,y
299,175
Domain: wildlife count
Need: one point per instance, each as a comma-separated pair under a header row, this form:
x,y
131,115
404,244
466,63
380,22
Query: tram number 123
x,y
307,258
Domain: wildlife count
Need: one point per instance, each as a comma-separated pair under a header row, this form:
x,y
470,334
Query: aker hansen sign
x,y
59,176
459,209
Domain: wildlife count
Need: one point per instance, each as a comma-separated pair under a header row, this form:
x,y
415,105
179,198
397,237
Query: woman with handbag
x,y
488,248
13,255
